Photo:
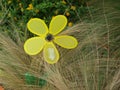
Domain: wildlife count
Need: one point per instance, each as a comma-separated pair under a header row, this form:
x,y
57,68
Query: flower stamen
x,y
49,37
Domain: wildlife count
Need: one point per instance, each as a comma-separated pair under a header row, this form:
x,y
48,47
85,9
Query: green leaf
x,y
30,79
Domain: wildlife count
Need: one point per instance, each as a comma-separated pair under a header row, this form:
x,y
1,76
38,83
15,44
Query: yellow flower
x,y
70,24
64,2
37,11
47,37
22,9
30,7
20,5
9,1
9,14
67,14
15,18
73,7
56,12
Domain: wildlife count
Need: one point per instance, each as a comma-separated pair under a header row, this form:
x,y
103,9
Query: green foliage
x,y
45,9
32,80
19,12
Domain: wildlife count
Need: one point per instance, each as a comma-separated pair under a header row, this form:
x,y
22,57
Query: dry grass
x,y
93,65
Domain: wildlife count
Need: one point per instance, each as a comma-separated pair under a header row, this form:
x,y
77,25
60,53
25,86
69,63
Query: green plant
x,y
45,9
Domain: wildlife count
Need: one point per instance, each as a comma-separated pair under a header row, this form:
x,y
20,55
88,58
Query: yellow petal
x,y
57,24
37,26
50,52
65,41
34,45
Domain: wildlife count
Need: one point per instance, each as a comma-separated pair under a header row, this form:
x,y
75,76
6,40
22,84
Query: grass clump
x,y
93,65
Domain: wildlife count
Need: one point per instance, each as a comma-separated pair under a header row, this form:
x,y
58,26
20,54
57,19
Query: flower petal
x,y
37,26
50,52
65,41
57,24
34,45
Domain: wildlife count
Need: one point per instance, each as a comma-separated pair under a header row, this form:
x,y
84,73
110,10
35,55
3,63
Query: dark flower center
x,y
49,37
